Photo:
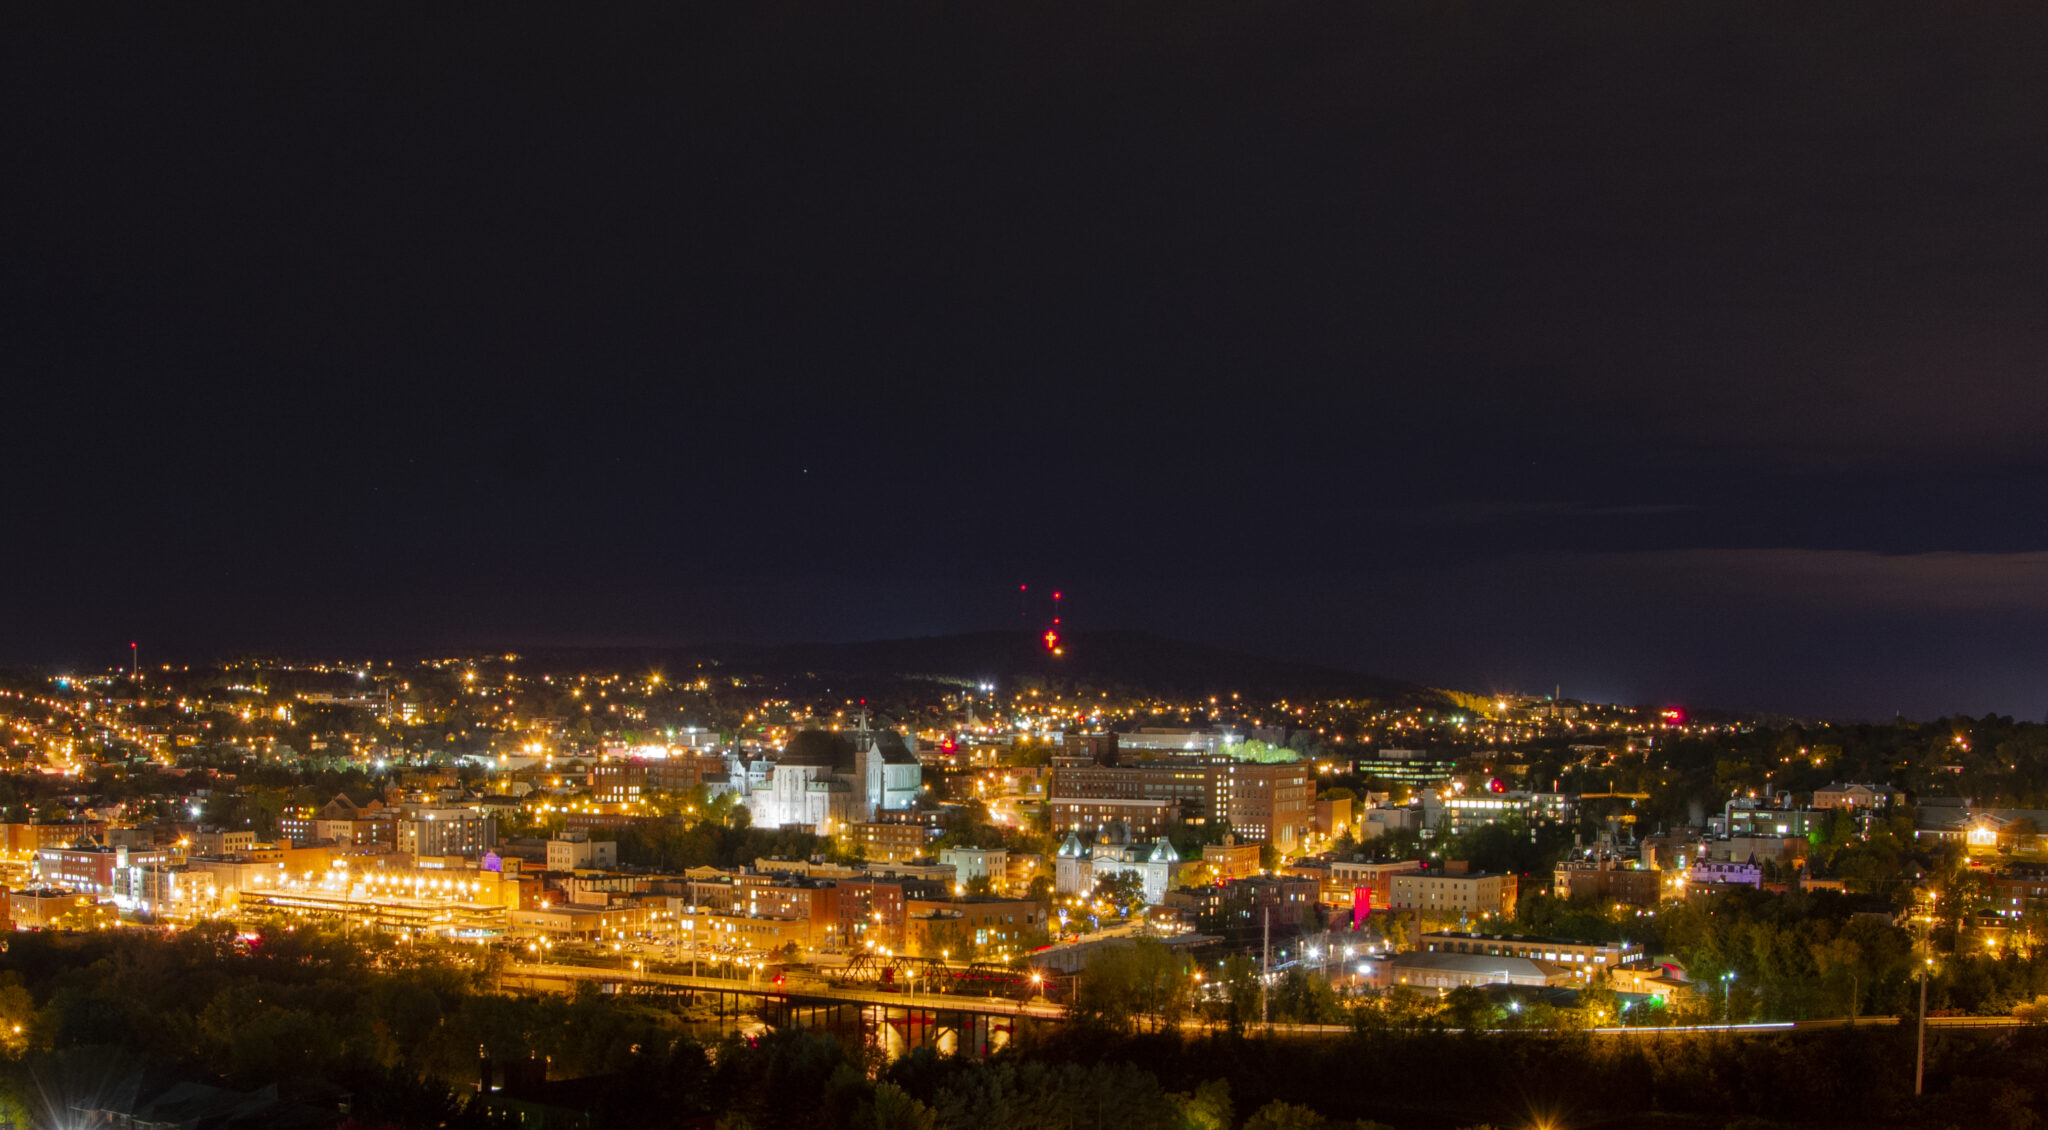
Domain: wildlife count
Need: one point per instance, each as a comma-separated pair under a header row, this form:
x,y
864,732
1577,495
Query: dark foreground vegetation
x,y
400,1038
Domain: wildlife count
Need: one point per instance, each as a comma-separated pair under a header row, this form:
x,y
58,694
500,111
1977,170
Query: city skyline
x,y
983,566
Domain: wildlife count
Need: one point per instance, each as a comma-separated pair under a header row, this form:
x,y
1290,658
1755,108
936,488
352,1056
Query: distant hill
x,y
1133,661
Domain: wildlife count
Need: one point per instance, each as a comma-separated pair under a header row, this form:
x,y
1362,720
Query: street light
x,y
1728,997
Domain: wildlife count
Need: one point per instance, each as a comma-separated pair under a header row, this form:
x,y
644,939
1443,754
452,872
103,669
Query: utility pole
x,y
1265,963
1920,1045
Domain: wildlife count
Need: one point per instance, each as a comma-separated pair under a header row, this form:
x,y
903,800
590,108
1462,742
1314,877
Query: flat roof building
x,y
1261,802
1583,959
1424,970
1471,894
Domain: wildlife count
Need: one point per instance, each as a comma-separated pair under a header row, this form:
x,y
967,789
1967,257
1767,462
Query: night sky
x,y
1665,353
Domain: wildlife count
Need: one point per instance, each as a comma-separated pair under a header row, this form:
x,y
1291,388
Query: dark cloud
x,y
1833,581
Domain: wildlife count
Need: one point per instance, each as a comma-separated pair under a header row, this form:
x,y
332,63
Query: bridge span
x,y
895,1021
899,1020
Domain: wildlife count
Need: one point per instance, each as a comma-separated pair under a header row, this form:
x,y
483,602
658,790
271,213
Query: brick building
x,y
2017,887
994,926
621,782
24,840
1607,882
90,870
1272,803
870,911
1286,902
340,820
891,841
1231,860
1145,817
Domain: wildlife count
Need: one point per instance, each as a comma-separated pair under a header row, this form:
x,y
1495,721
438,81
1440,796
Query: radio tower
x,y
1054,637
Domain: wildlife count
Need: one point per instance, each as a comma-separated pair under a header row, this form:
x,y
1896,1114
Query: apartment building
x,y
1272,803
1455,890
446,831
621,782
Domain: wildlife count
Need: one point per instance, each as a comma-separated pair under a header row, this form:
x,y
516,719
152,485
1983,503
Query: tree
x,y
893,1108
1122,890
1125,985
17,1014
1468,1008
1028,753
1957,900
1394,845
1840,962
1024,1095
1189,837
2023,834
1237,1000
2032,926
1207,1107
1302,997
1262,753
1278,1115
1599,1004
1400,1006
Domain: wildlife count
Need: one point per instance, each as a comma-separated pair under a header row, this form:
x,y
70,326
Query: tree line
x,y
408,1030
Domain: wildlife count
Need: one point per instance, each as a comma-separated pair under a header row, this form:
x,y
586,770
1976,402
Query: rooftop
x,y
1519,939
1477,963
